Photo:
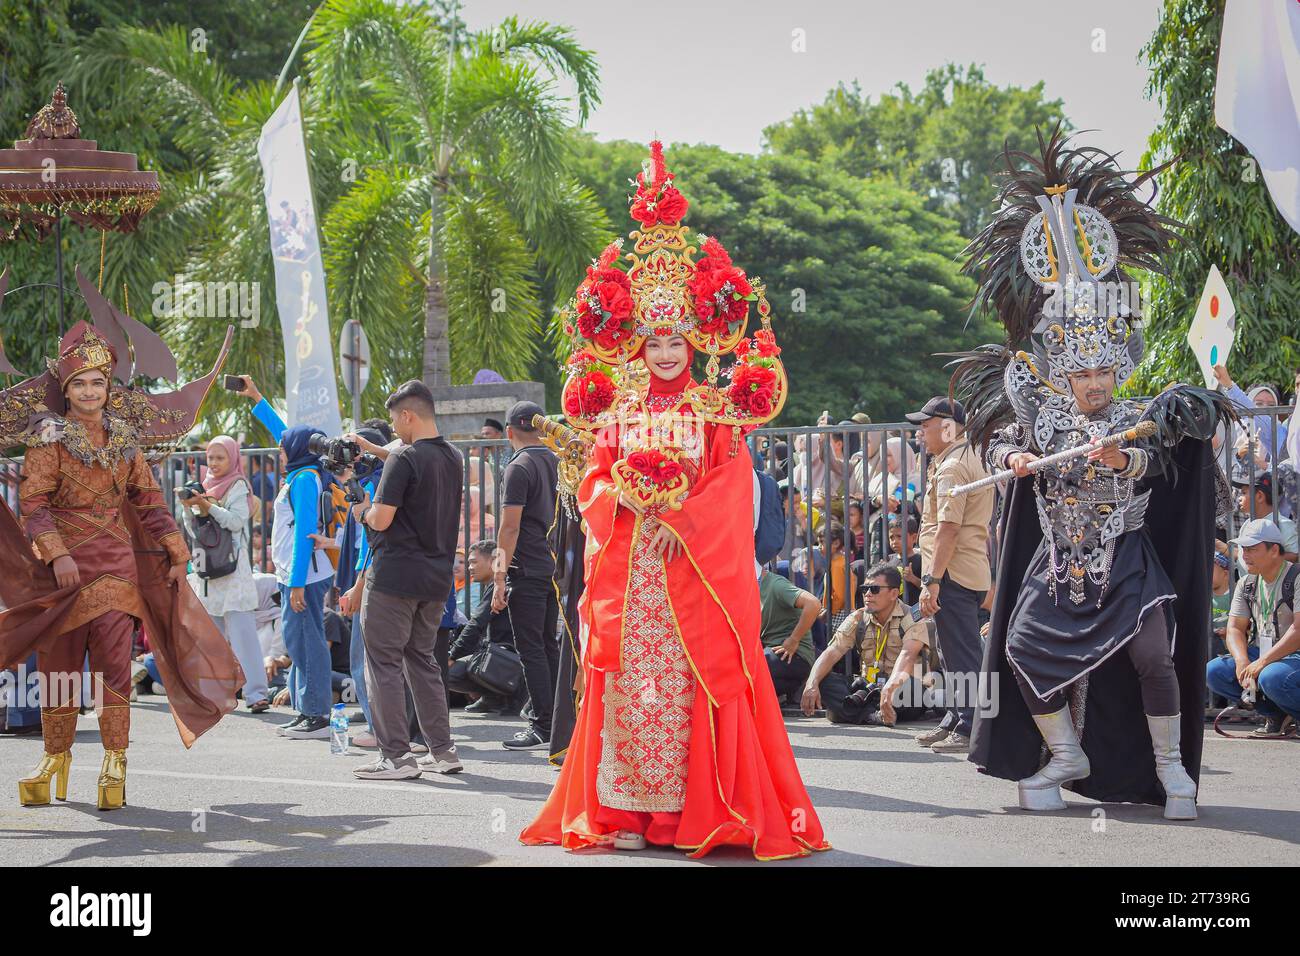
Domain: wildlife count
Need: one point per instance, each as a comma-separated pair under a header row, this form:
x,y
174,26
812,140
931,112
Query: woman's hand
x,y
324,541
665,544
66,574
176,573
250,389
626,502
201,503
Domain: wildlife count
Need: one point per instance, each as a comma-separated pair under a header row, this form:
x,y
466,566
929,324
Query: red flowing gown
x,y
679,735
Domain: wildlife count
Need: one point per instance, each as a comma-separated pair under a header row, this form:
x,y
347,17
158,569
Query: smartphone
x,y
234,383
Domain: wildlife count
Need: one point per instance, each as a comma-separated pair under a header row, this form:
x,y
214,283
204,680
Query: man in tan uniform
x,y
954,564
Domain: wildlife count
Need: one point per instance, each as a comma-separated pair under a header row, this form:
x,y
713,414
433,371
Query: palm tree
x,y
475,204
441,227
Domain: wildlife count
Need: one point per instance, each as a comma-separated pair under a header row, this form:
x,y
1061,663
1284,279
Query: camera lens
x,y
316,444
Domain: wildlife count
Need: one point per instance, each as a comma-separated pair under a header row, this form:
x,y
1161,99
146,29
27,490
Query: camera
x,y
189,490
338,455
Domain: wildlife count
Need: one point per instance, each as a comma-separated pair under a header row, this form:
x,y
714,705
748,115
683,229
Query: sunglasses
x,y
877,588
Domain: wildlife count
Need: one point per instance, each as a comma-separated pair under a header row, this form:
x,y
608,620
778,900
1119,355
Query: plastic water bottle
x,y
338,730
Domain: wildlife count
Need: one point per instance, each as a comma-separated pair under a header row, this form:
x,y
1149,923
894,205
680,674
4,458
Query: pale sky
x,y
719,71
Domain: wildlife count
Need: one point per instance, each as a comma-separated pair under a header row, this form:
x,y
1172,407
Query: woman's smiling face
x,y
667,355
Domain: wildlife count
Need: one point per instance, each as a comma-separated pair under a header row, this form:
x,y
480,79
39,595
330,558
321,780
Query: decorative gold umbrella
x,y
55,173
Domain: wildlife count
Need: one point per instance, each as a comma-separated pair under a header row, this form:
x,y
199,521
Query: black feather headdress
x,y
993,258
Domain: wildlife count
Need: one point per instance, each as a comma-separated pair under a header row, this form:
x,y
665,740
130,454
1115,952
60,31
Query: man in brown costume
x,y
100,530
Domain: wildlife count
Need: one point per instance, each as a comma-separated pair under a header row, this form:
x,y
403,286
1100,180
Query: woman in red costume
x,y
679,740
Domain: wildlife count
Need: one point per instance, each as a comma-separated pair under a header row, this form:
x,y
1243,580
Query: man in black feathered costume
x,y
1095,658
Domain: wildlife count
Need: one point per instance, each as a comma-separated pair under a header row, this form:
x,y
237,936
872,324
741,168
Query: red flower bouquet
x,y
753,387
721,292
657,200
604,302
655,466
590,389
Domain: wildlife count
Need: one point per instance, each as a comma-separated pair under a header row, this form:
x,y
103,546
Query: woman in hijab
x,y
302,570
230,599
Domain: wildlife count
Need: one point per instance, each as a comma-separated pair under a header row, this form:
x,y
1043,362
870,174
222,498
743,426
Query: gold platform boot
x,y
57,730
34,791
112,780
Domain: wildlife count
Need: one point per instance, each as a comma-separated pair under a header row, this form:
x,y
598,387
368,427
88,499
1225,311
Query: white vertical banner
x,y
1257,92
309,382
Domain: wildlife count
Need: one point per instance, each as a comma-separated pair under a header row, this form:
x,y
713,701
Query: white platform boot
x,y
1042,791
1180,789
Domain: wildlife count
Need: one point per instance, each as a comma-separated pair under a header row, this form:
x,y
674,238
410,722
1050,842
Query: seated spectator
x,y
911,568
858,530
889,637
484,625
788,616
1220,603
1260,505
1262,637
839,591
338,634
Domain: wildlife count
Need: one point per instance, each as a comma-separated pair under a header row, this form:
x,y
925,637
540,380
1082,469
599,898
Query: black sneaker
x,y
481,706
312,728
1272,726
291,724
527,740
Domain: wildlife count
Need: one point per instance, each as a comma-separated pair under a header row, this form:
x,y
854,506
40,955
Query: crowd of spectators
x,y
870,614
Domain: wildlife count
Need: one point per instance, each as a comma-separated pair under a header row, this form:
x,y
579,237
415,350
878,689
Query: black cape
x,y
1180,520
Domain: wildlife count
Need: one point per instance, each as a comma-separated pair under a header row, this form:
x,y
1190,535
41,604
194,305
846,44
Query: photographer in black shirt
x,y
413,526
524,567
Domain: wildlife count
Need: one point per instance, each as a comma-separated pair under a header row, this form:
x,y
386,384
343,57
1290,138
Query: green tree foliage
x,y
943,141
862,278
374,84
1231,220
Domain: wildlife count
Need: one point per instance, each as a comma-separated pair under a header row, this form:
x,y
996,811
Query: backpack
x,y
1288,588
333,515
769,535
215,552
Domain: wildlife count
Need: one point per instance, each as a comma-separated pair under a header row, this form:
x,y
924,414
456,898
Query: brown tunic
x,y
74,507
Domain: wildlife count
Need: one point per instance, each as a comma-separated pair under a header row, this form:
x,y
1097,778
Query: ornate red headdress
x,y
81,350
667,289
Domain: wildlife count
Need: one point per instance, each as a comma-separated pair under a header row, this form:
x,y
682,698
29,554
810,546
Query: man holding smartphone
x,y
413,526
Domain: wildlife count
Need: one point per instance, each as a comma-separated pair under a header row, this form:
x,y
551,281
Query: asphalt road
x,y
246,797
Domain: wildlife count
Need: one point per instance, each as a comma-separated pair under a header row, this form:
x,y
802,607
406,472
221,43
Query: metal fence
x,y
829,472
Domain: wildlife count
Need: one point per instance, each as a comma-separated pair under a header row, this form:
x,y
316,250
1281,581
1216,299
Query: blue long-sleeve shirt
x,y
269,417
304,499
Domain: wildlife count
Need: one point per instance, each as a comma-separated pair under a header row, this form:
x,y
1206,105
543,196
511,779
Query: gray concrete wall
x,y
462,408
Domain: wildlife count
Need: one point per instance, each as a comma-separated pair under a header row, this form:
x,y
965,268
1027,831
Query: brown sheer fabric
x,y
195,661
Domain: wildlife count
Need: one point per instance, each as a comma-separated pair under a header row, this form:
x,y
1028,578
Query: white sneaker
x,y
404,768
365,741
446,762
629,840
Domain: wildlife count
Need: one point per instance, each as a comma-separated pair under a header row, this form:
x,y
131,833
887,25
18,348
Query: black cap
x,y
493,423
521,415
939,407
1263,482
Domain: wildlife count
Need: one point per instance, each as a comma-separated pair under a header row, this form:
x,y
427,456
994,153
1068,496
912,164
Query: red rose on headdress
x,y
589,394
753,389
721,292
604,303
615,299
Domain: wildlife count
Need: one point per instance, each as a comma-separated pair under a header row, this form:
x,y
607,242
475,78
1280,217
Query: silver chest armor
x,y
1083,507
